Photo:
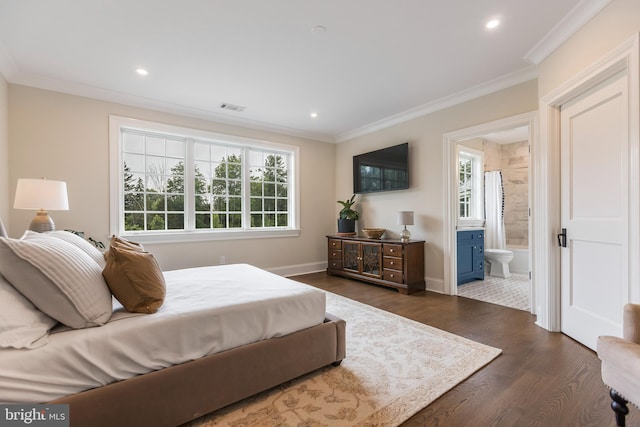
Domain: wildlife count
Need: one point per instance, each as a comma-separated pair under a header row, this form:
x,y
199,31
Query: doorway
x,y
520,127
493,172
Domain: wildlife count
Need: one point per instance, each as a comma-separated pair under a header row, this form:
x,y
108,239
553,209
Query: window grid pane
x,y
466,186
154,183
269,174
219,178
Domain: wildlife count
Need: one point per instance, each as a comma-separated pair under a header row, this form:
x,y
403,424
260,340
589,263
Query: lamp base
x,y
405,236
42,222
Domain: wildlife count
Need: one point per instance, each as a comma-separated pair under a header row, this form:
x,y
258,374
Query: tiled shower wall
x,y
513,160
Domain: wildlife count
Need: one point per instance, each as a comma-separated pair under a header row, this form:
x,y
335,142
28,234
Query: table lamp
x,y
41,195
405,218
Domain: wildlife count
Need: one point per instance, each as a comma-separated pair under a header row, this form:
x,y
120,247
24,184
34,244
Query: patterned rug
x,y
512,292
394,368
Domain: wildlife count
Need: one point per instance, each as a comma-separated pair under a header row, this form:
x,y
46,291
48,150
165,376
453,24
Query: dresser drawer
x,y
392,263
335,264
392,250
335,254
392,276
335,244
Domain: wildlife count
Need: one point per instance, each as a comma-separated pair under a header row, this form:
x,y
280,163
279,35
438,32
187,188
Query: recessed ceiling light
x,y
313,115
492,24
142,71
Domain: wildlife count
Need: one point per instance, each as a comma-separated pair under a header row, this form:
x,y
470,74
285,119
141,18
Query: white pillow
x,y
75,240
58,278
21,324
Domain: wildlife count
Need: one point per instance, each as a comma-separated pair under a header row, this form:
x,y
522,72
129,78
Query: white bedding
x,y
206,310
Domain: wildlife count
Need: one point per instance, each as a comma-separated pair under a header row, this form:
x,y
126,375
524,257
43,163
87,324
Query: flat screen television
x,y
382,170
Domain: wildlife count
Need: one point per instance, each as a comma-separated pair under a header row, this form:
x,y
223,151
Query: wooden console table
x,y
389,263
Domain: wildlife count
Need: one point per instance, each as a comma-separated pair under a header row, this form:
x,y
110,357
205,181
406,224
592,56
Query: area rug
x,y
394,368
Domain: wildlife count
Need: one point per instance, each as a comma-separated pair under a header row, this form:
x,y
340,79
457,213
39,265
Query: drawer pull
x,y
391,263
333,254
390,250
392,275
333,244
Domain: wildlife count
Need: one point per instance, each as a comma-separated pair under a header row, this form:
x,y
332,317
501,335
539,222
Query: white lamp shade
x,y
405,218
41,194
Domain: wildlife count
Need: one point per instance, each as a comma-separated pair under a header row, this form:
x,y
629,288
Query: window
x,y
470,187
182,184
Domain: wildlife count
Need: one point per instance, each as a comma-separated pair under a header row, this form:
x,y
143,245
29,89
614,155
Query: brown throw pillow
x,y
135,279
118,242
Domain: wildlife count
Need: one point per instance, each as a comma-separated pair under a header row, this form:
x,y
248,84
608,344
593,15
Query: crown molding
x,y
508,80
560,33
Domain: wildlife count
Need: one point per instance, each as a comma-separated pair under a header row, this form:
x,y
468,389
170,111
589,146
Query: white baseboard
x,y
435,285
294,270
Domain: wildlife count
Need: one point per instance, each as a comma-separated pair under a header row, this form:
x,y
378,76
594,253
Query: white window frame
x,y
116,173
477,187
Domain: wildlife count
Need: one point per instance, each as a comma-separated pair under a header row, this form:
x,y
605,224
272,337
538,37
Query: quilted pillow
x,y
58,278
135,279
74,239
21,324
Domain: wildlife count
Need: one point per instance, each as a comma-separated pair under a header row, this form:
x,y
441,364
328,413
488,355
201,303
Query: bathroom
x,y
506,152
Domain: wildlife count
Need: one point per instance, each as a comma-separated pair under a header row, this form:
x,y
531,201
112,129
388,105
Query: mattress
x,y
207,310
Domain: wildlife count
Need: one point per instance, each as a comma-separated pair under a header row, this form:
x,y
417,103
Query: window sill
x,y
203,236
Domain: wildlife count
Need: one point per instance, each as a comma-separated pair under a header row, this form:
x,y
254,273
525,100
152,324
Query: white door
x,y
595,211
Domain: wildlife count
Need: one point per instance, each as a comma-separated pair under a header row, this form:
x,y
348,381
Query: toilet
x,y
498,260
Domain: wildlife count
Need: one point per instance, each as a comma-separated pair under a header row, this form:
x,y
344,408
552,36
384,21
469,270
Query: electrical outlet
x,y
223,259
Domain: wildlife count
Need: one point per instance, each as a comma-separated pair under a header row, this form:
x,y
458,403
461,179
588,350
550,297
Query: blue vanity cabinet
x,y
470,255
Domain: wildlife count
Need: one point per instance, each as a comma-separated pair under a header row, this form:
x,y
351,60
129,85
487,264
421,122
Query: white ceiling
x,y
379,62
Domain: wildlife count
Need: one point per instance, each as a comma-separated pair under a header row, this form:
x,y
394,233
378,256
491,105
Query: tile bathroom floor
x,y
512,292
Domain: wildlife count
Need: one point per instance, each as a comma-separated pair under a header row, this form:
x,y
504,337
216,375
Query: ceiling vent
x,y
231,107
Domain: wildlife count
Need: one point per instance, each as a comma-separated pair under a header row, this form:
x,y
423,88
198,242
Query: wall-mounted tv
x,y
382,170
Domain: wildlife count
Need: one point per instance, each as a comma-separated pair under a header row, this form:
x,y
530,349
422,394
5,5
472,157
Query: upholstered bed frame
x,y
181,393
178,394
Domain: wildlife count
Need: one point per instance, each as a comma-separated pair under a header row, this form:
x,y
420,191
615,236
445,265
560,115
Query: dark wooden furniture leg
x,y
619,406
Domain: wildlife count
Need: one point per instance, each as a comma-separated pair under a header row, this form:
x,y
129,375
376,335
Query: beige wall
x,y
65,137
425,197
612,26
4,151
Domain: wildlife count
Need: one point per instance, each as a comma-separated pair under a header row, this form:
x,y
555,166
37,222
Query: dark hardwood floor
x,y
540,379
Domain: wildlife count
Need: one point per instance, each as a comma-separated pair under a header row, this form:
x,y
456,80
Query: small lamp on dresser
x,y
405,218
41,195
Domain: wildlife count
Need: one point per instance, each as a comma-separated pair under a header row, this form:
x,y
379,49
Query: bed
x,y
253,330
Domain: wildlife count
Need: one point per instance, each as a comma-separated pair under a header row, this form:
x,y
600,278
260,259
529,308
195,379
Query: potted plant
x,y
347,216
